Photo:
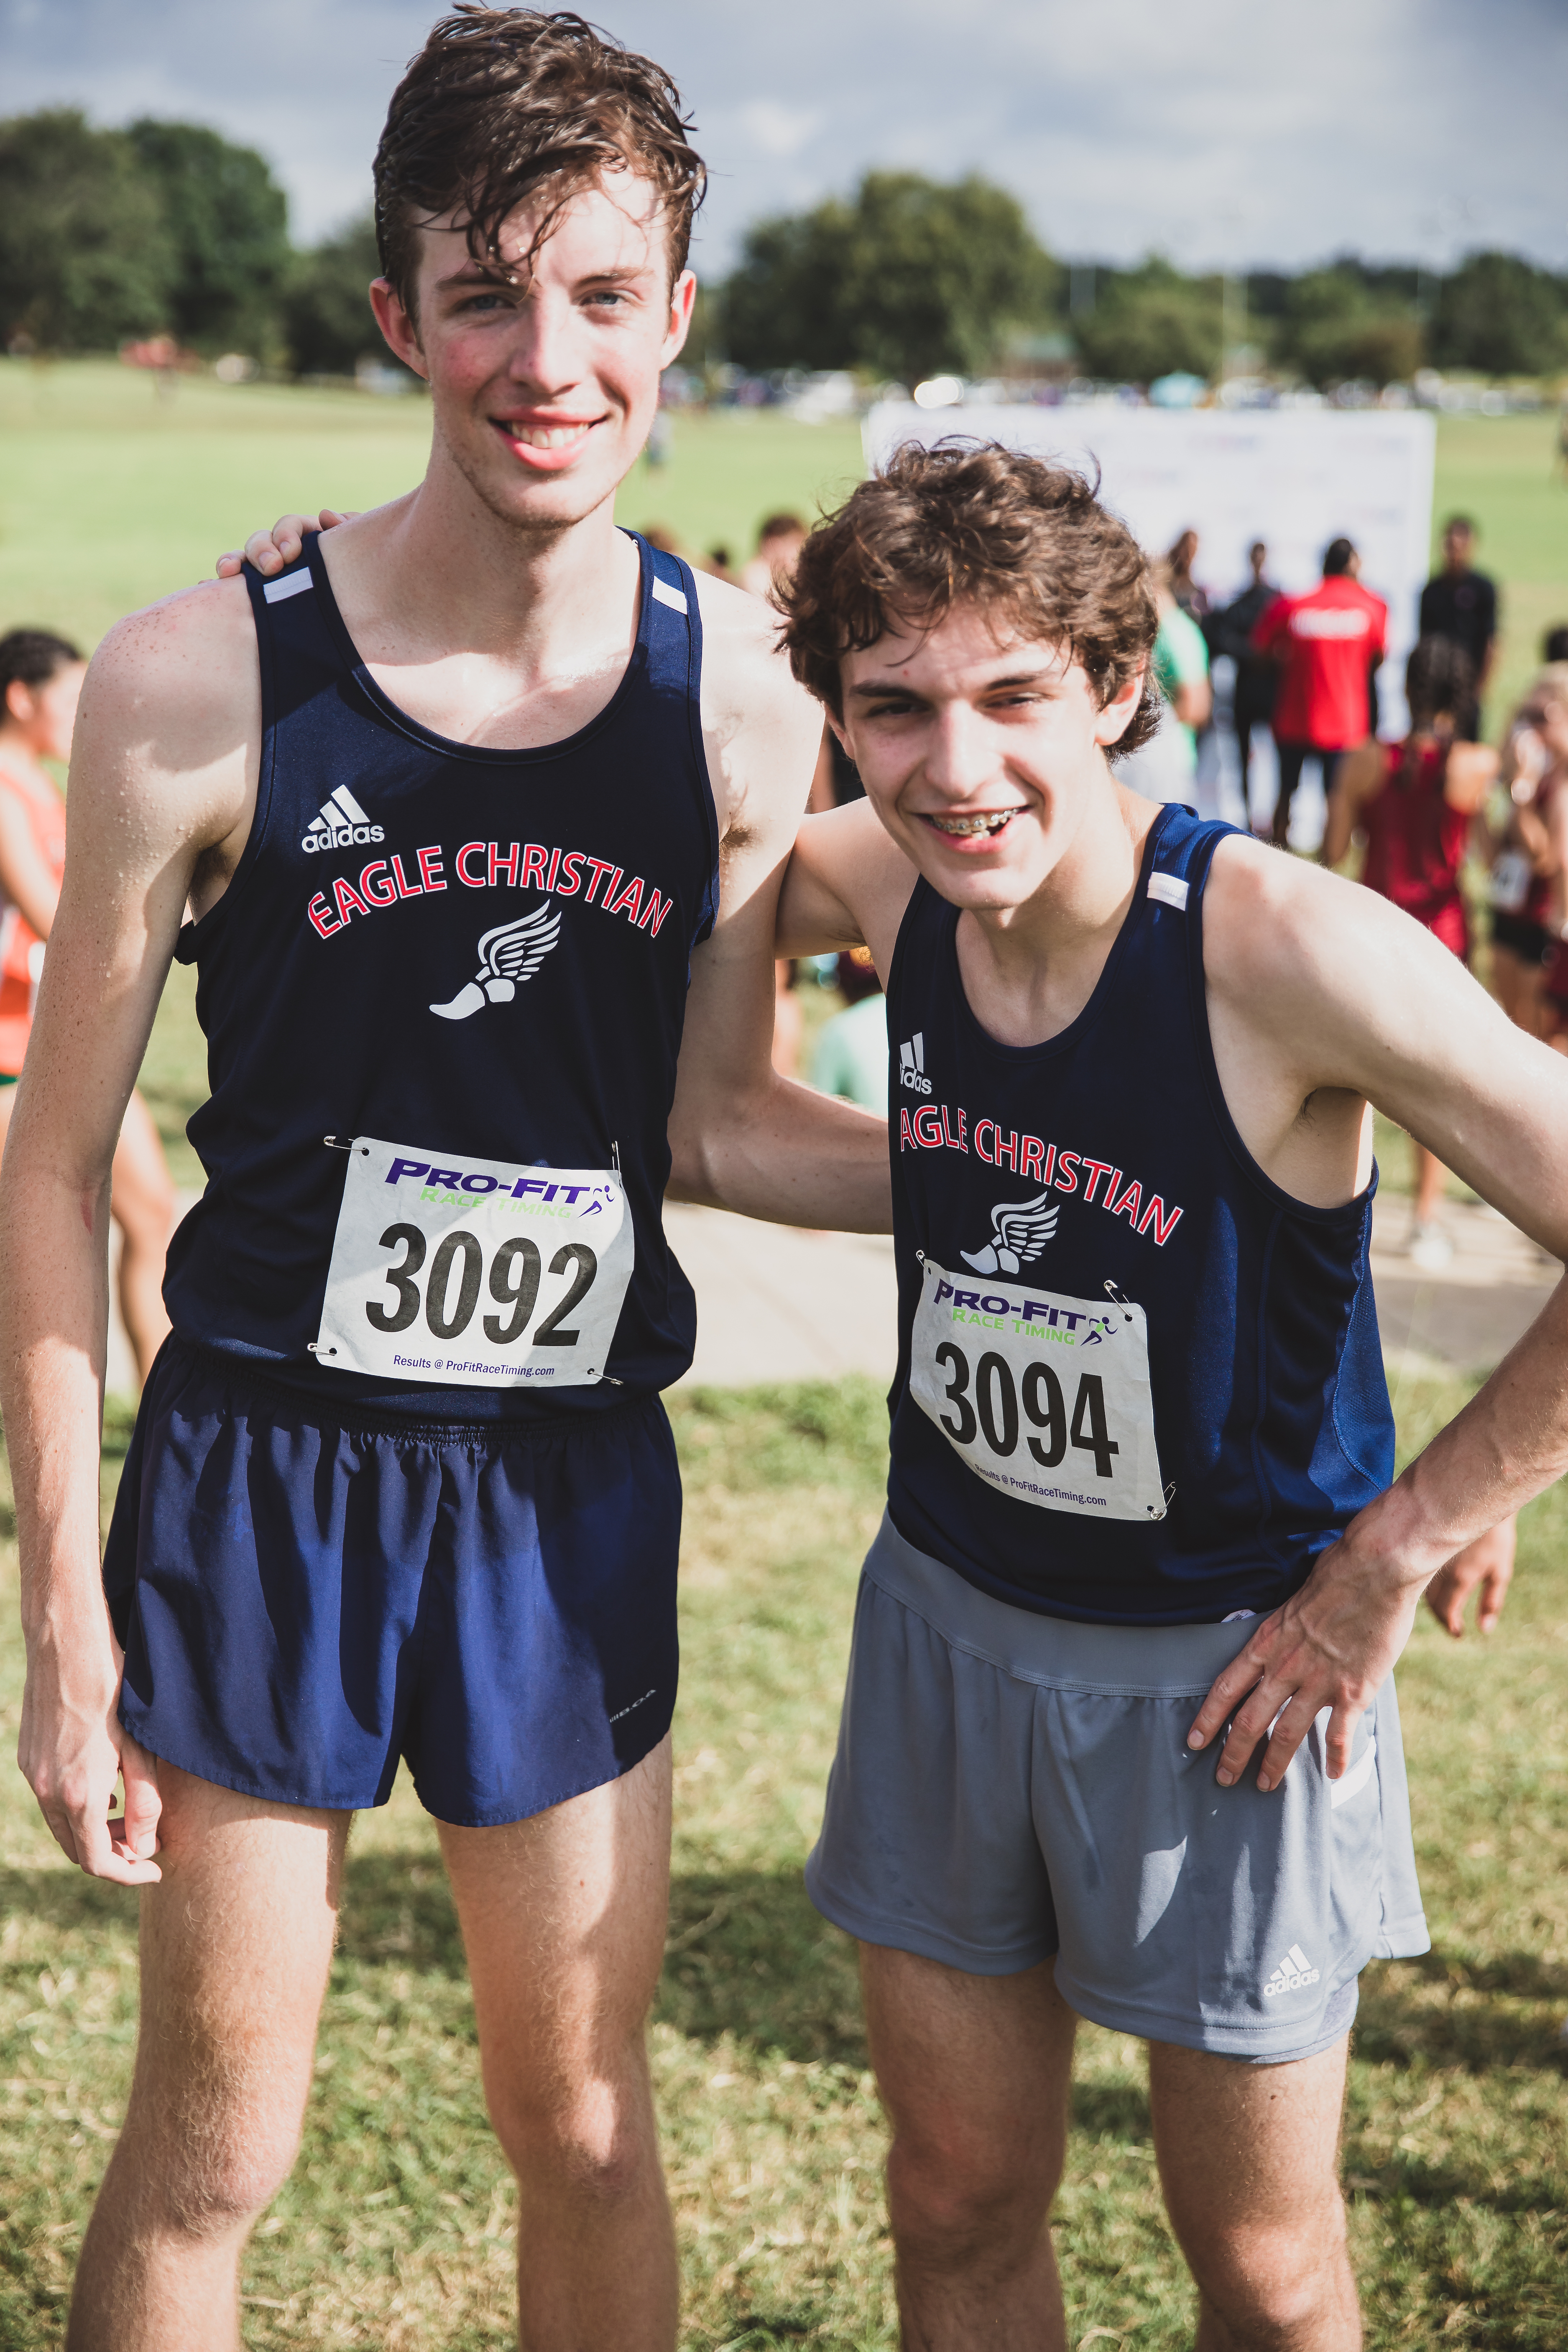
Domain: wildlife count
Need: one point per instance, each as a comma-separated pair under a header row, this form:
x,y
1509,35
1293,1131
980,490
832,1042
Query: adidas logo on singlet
x,y
340,822
912,1064
1293,1971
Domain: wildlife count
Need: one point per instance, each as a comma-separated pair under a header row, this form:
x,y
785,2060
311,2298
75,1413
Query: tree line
x,y
908,277
167,228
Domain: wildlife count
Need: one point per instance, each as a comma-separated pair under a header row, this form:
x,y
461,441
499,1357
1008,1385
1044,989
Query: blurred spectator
x,y
1164,769
1554,644
1416,803
40,682
851,1056
1230,631
721,567
660,439
1527,878
1192,600
1327,644
779,543
660,535
1460,604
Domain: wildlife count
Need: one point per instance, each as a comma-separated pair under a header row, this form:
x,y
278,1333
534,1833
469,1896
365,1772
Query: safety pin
x,y
336,1143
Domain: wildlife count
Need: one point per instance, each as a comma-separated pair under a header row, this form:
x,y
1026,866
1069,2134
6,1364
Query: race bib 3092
x,y
474,1273
1045,1397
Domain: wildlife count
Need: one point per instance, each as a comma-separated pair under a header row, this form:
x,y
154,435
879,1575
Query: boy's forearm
x,y
792,1158
54,1319
1507,1445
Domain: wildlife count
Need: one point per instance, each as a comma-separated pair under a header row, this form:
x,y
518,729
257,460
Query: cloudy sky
x,y
1225,132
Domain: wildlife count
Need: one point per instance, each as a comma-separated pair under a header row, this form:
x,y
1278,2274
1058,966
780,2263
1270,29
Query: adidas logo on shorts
x,y
1293,1971
340,822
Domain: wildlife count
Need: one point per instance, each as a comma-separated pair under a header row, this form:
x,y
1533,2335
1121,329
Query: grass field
x,y
397,2228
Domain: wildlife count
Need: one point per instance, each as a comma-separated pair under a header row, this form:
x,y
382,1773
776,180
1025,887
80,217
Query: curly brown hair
x,y
967,522
504,106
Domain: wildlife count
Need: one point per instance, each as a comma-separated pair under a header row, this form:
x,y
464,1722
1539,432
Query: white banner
x,y
1294,478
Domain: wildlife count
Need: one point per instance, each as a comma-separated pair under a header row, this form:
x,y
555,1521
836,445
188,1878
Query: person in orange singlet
x,y
40,682
1416,803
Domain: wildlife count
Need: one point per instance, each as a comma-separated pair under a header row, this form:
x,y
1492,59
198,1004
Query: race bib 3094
x,y
1045,1397
474,1273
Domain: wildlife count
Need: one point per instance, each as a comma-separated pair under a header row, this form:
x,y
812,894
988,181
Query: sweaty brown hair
x,y
965,523
508,105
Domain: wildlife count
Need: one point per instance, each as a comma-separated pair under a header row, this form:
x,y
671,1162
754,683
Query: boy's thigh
x,y
1248,2152
564,1917
235,1942
973,2071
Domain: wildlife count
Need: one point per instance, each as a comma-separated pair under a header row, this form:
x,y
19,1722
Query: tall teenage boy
x,y
480,808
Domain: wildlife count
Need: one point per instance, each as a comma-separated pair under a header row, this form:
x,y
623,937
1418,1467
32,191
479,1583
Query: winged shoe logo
x,y
509,955
1020,1231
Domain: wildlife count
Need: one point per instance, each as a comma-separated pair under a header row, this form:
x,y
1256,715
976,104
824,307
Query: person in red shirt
x,y
1327,644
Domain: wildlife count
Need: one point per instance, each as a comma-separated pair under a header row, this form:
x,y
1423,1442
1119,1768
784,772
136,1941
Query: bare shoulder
x,y
1274,923
193,653
762,729
1334,983
171,712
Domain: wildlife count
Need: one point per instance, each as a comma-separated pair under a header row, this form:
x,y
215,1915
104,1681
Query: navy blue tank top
x,y
1137,1381
386,873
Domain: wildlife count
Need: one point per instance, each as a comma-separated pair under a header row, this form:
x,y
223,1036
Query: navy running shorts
x,y
1011,1787
302,1600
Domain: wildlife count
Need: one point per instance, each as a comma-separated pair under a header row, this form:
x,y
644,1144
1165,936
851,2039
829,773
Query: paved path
x,y
777,1304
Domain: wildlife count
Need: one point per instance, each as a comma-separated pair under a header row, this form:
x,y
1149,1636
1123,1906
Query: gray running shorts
x,y
1010,1787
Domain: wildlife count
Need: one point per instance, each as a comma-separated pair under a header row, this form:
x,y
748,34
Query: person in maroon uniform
x,y
1327,643
1416,803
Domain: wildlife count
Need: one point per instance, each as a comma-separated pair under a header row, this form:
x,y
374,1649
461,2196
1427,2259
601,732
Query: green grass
x,y
397,2227
110,496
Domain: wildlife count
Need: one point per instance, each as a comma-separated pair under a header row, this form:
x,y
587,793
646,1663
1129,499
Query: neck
x,y
1031,967
446,572
17,755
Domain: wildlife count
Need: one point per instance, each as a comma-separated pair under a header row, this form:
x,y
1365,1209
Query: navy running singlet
x,y
1137,1381
469,967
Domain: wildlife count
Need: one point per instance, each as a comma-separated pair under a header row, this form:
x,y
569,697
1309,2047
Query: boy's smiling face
x,y
979,752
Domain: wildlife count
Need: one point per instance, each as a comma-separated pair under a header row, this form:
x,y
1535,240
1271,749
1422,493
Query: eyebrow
x,y
1014,677
475,273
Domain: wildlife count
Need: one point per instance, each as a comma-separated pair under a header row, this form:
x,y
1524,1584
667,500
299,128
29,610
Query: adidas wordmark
x,y
1293,1971
339,823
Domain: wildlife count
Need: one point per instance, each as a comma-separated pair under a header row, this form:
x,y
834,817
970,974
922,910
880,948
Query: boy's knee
x,y
1271,2285
955,2193
216,2183
593,2138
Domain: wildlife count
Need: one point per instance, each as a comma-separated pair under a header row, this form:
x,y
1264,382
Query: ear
x,y
683,294
19,703
1117,716
397,328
